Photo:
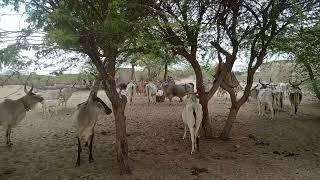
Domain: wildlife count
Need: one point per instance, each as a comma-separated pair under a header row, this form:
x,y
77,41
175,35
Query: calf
x,y
66,93
122,87
51,104
221,92
141,87
192,118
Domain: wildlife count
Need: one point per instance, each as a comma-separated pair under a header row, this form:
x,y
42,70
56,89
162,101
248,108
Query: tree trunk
x,y
312,79
121,134
228,125
203,99
149,73
132,72
206,125
165,71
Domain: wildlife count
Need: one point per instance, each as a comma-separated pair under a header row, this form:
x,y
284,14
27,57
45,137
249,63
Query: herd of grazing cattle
x,y
86,114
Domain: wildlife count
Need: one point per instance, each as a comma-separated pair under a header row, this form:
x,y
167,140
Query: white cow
x,y
151,90
51,105
266,97
284,88
192,117
131,91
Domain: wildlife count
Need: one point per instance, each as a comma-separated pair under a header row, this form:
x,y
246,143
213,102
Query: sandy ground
x,y
45,148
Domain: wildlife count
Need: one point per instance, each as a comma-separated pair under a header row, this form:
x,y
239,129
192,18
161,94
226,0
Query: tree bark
x,y
149,73
165,70
228,125
312,79
121,135
206,125
118,106
132,72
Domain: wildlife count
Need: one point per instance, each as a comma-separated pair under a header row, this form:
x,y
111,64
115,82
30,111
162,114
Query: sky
x,y
14,21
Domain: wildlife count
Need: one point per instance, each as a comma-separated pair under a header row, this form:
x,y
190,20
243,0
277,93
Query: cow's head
x,y
264,86
30,99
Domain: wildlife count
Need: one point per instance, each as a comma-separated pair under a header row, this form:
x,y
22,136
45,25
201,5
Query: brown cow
x,y
230,78
141,87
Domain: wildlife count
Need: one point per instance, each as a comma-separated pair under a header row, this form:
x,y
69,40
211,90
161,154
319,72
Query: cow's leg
x,y
197,136
192,136
259,108
272,110
185,131
79,152
264,111
90,148
8,135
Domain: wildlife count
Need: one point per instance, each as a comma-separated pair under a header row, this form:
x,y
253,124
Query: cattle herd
x,y
267,95
270,95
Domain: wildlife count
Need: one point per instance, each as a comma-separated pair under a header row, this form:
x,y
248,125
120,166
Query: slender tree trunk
x,y
149,73
165,71
312,79
121,134
206,125
132,72
230,120
236,105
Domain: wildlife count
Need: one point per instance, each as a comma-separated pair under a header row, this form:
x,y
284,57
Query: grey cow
x,y
86,117
171,90
13,111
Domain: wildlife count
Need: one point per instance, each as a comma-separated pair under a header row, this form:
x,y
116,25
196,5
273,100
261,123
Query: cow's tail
x,y
192,86
148,93
132,90
194,126
295,102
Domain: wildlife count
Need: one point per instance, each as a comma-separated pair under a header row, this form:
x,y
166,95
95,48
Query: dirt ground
x,y
45,147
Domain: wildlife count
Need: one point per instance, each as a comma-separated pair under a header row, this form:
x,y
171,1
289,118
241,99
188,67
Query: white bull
x,y
192,117
151,90
131,91
266,97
